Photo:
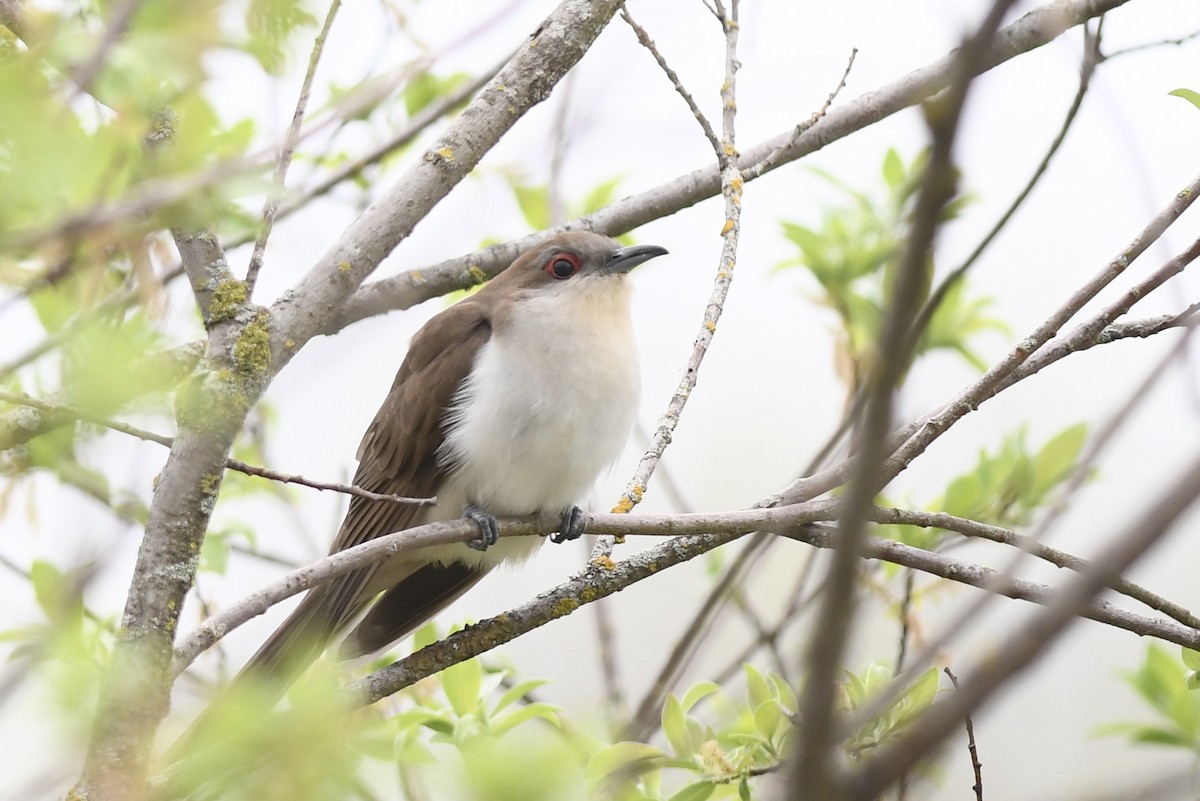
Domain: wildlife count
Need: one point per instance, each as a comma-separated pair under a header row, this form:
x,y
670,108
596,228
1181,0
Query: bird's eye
x,y
562,265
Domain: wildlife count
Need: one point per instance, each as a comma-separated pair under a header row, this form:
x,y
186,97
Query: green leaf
x,y
744,789
270,23
214,553
600,196
695,792
425,636
893,169
674,724
534,202
785,694
461,683
767,717
411,751
427,87
697,692
1188,95
1190,658
517,692
1057,458
758,689
543,711
49,587
623,756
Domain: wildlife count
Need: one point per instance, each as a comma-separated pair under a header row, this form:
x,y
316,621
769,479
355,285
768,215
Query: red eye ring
x,y
562,265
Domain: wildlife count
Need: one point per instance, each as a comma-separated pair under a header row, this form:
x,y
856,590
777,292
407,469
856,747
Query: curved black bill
x,y
625,259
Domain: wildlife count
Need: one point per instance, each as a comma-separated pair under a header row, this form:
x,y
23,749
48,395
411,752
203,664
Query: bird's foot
x,y
489,530
572,526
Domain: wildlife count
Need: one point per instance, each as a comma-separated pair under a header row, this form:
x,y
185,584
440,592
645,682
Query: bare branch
x,y
731,188
775,157
558,43
976,765
1030,545
813,770
409,288
648,43
600,581
1091,58
290,140
1026,643
86,72
155,373
55,411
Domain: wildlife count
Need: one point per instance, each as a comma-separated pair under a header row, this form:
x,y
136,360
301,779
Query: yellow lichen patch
x,y
416,277
210,483
588,594
445,153
227,299
730,150
252,350
289,343
478,276
565,606
345,266
727,227
604,562
710,325
736,184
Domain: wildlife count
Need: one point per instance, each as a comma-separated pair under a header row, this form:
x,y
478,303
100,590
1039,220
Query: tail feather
x,y
409,604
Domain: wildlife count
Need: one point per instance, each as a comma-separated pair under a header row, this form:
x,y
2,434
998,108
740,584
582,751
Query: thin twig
x,y
410,287
976,765
287,151
649,708
1028,356
648,43
1182,40
52,407
813,768
1029,641
86,72
1091,57
731,188
1031,546
600,581
772,159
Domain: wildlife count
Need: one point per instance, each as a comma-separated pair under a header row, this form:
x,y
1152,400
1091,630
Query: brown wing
x,y
398,456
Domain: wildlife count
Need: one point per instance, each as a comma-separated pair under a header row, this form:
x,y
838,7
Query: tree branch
x,y
1027,642
409,288
556,46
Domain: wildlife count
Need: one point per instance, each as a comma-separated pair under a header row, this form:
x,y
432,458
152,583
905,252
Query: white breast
x,y
550,401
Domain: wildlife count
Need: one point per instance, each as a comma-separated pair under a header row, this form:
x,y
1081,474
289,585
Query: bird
x,y
511,402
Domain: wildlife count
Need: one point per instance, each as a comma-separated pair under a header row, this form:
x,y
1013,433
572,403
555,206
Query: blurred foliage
x,y
1005,488
749,739
68,648
1169,687
854,253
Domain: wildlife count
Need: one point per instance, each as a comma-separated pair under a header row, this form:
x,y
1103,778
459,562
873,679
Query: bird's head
x,y
571,258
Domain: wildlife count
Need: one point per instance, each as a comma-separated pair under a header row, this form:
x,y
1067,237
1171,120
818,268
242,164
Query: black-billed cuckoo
x,y
510,402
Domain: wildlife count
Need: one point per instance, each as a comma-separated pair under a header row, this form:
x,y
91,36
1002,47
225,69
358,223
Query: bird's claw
x,y
489,530
572,526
